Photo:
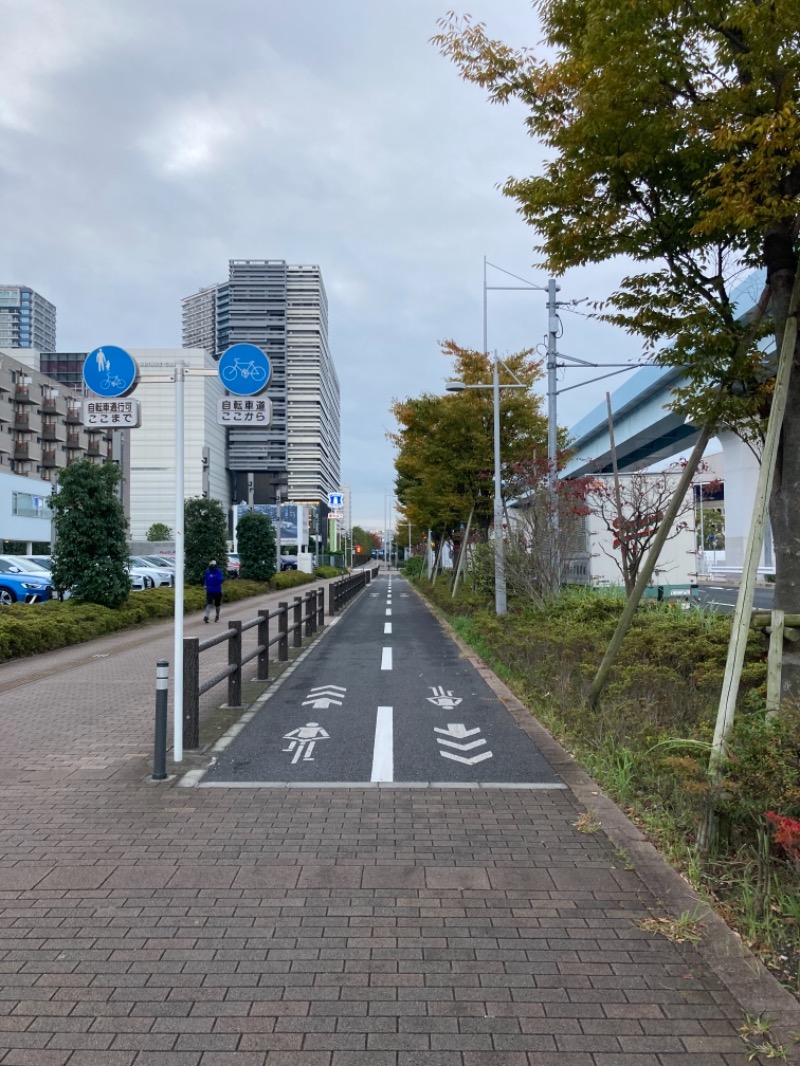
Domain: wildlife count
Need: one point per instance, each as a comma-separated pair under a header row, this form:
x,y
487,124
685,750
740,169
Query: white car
x,y
158,575
139,582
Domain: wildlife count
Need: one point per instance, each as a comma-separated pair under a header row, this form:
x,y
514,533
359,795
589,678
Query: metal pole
x,y
552,423
177,699
499,554
162,698
278,530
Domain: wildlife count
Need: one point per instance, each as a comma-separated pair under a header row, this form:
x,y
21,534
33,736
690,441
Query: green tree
x,y
255,537
367,542
672,136
205,536
91,550
158,531
445,444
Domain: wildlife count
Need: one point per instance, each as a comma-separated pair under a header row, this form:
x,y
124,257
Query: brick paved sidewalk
x,y
145,924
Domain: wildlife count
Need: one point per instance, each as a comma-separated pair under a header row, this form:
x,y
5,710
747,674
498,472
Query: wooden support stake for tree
x,y
774,663
463,553
648,566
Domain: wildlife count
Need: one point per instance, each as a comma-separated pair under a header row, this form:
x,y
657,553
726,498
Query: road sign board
x,y
244,369
232,412
117,414
335,499
110,371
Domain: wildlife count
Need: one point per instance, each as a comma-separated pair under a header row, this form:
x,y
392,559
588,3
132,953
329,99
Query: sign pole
x,y
177,688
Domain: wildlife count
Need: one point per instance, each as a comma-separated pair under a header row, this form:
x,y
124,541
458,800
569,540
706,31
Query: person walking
x,y
212,580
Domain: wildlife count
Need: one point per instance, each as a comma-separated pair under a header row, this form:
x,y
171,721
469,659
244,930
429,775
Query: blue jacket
x,y
212,579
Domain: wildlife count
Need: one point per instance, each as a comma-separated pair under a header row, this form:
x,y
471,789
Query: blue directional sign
x,y
110,371
335,499
244,369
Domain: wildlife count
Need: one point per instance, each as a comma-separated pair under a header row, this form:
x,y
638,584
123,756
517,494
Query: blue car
x,y
20,586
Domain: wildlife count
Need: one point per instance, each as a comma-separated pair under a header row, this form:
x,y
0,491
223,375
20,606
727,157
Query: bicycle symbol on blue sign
x,y
244,369
109,371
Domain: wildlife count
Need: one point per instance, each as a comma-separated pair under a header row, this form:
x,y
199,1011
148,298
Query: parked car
x,y
233,565
139,581
21,585
288,562
164,562
158,575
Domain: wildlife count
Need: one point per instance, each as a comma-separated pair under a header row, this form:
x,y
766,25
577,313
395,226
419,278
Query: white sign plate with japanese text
x,y
112,414
244,411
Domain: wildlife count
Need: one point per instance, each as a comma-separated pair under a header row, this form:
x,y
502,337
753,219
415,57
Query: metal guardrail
x,y
307,614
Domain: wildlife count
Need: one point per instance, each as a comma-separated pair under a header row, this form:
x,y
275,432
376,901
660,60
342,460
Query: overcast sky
x,y
144,143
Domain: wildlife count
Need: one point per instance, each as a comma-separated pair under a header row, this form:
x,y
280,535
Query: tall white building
x,y
283,309
27,320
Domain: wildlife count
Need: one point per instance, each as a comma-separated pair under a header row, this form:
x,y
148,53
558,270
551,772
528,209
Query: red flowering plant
x,y
787,833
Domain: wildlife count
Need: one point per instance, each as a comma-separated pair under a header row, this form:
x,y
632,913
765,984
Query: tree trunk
x,y
784,506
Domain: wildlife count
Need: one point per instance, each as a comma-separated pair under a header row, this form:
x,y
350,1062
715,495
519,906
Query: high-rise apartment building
x,y
282,309
27,320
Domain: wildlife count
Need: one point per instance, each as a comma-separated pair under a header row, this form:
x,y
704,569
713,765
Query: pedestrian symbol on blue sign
x,y
335,499
110,371
244,369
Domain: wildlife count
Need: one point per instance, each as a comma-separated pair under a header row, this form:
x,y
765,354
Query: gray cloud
x,y
143,143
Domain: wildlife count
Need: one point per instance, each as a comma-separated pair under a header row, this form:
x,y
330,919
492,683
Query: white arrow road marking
x,y
461,747
469,762
383,751
324,695
386,659
457,729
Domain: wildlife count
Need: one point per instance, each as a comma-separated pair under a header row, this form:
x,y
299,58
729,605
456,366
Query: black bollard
x,y
160,753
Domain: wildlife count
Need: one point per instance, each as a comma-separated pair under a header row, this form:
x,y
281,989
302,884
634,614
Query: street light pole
x,y
500,603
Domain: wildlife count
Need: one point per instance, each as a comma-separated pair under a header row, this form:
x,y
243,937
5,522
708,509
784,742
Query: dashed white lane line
x,y
388,611
386,659
383,751
387,627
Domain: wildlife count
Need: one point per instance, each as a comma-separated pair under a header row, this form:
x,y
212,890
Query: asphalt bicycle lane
x,y
451,727
319,724
385,696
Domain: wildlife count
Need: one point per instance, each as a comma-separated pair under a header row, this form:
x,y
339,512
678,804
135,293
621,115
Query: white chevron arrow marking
x,y
324,695
460,758
457,729
461,747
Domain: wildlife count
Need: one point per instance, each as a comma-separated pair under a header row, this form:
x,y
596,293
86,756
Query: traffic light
x,y
358,549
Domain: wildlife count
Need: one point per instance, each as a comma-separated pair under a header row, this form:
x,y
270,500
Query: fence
x,y
341,592
307,614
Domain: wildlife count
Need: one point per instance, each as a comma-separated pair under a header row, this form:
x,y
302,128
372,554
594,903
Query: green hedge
x,y
29,629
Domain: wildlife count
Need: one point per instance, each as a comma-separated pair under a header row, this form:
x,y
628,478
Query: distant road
x,y
723,597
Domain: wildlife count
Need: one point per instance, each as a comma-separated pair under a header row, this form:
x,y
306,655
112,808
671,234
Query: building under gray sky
x,y
27,320
283,310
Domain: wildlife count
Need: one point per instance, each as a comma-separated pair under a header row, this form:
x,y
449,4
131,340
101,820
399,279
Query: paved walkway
x,y
145,924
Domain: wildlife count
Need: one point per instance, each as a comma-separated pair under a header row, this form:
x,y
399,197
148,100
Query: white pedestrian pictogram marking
x,y
446,700
303,739
458,733
321,697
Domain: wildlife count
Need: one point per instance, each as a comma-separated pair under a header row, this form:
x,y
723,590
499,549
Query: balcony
x,y
49,403
50,431
93,448
22,421
73,440
74,414
21,452
49,459
24,394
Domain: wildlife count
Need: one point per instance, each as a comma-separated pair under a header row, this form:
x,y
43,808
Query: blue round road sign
x,y
110,371
244,369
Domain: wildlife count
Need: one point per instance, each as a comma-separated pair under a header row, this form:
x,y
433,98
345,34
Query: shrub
x,y
289,579
325,572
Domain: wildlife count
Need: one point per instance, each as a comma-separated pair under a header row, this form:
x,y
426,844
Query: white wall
x,y
16,527
153,445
